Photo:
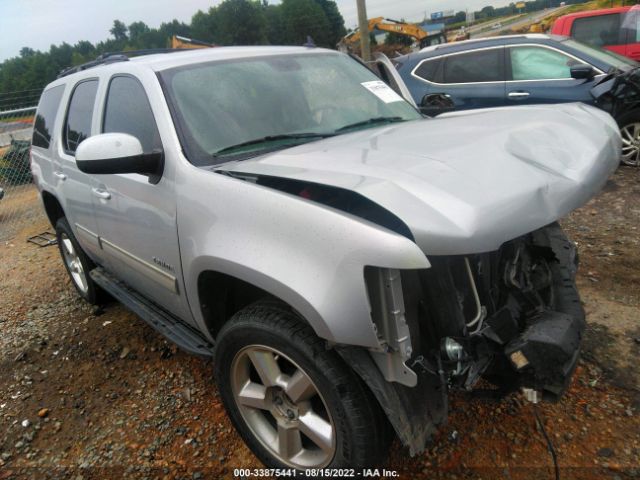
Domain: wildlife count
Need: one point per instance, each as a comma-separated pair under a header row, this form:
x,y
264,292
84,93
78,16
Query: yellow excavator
x,y
179,42
422,37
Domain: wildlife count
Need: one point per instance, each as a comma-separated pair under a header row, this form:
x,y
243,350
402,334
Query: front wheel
x,y
630,131
295,403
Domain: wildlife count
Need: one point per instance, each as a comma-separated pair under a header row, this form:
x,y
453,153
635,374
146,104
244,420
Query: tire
x,y
77,263
626,121
304,395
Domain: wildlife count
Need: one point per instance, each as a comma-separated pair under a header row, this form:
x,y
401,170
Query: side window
x,y
46,116
536,63
78,124
597,31
128,111
474,67
428,70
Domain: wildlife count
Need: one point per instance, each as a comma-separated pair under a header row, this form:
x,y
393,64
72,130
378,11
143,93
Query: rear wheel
x,y
78,265
295,403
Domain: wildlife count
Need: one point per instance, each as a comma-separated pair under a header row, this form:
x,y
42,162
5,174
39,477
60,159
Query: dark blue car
x,y
511,70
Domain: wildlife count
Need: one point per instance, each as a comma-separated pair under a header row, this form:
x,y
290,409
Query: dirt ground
x,y
89,393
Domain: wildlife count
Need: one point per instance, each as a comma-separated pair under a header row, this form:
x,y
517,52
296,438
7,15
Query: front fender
x,y
306,254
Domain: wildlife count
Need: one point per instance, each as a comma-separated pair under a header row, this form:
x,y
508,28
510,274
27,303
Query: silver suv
x,y
344,260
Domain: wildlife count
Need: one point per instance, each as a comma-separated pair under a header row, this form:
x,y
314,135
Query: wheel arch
x,y
222,292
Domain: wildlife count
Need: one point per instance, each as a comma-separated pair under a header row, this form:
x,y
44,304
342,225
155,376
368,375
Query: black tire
x,y
93,293
361,429
623,121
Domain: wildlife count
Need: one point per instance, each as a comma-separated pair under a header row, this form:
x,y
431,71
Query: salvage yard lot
x,y
91,393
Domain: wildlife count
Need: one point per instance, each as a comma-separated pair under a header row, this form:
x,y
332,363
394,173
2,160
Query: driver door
x,y
136,214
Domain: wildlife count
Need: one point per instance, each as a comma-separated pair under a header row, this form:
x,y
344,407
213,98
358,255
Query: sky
x,y
41,23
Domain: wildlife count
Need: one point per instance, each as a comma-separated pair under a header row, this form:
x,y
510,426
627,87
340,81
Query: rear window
x,y
598,31
475,67
46,116
78,124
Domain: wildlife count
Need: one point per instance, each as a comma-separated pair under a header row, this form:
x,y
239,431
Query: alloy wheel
x,y
283,407
72,260
631,144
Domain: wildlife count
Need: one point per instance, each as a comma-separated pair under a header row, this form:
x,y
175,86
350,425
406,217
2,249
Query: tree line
x,y
530,6
232,22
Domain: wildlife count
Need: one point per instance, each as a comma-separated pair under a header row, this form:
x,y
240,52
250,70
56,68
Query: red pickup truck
x,y
615,29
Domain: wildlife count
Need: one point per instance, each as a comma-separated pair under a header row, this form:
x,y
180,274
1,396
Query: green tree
x,y
119,30
203,25
336,22
274,18
240,22
137,33
303,18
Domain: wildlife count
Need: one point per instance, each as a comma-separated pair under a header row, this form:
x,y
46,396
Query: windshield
x,y
249,106
617,61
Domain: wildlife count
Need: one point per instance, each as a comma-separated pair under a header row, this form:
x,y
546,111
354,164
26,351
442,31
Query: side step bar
x,y
183,335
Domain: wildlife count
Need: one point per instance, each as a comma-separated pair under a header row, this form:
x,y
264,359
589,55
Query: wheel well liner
x,y
220,296
52,207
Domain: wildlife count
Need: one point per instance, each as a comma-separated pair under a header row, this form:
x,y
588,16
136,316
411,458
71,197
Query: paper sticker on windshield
x,y
382,91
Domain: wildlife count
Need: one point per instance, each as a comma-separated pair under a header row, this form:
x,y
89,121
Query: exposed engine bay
x,y
512,316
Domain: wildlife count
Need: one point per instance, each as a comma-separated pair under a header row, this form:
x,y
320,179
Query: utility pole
x,y
363,25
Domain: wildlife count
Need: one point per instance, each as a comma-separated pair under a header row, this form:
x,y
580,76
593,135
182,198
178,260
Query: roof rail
x,y
113,57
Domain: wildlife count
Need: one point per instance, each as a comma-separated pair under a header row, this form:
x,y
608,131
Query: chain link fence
x,y
19,205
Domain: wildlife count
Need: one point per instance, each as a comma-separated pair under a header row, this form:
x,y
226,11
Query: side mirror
x,y
111,153
435,103
582,72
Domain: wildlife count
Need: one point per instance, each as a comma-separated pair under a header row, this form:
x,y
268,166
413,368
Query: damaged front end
x,y
512,317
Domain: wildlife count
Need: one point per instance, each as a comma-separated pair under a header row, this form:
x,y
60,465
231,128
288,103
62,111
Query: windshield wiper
x,y
274,138
371,121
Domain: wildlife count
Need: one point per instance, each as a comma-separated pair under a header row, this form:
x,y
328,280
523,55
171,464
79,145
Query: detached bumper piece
x,y
545,355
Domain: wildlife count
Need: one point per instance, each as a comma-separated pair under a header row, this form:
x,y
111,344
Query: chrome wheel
x,y
72,260
282,407
631,144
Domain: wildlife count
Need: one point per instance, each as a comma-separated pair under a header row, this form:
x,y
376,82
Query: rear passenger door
x,y
470,80
77,186
542,74
137,214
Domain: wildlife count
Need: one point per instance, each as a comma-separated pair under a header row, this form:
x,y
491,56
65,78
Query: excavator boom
x,y
401,28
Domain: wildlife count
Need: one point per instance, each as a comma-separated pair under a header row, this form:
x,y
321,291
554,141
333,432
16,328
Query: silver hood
x,y
465,182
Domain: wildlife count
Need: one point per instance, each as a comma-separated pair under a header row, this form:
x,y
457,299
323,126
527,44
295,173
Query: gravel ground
x,y
95,393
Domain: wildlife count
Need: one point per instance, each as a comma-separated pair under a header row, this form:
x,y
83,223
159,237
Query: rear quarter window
x,y
46,116
428,70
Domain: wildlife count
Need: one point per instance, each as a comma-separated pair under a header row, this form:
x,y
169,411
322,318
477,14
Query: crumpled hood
x,y
465,182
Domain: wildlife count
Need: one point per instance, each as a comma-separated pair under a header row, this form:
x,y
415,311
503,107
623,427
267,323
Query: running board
x,y
183,335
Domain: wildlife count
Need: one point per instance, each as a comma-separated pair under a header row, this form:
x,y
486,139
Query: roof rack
x,y
113,57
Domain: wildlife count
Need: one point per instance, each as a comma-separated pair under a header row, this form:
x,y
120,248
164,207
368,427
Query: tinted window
x,y
78,124
46,116
429,69
480,66
128,111
535,63
597,31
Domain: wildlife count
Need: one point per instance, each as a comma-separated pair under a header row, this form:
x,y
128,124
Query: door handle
x,y
103,194
60,175
519,94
